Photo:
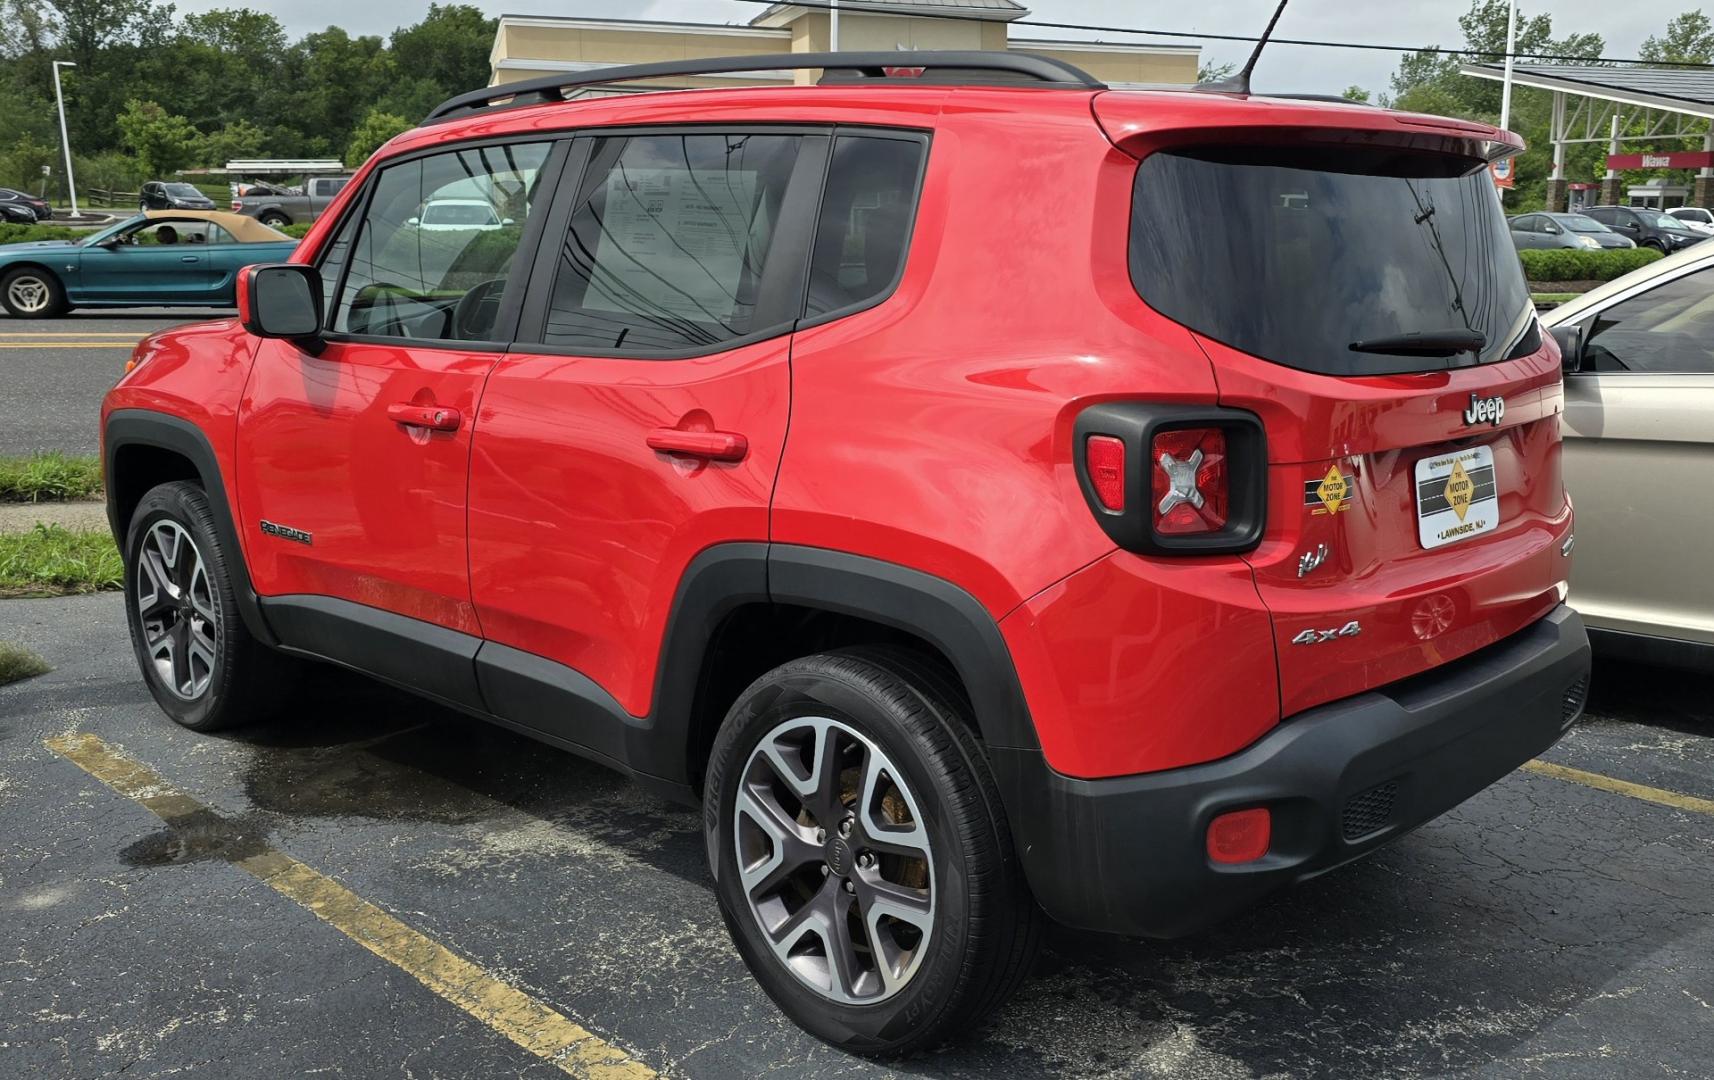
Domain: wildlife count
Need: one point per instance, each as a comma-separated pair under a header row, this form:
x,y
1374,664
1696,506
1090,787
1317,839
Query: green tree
x,y
239,139
1355,93
375,128
1689,39
163,143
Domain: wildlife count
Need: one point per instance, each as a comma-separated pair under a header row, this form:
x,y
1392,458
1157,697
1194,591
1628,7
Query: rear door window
x,y
671,247
864,225
1295,255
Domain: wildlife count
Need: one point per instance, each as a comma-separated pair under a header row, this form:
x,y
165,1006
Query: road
x,y
55,371
1545,928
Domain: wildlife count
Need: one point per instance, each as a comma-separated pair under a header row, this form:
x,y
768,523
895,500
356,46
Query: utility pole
x,y
65,140
833,26
1511,47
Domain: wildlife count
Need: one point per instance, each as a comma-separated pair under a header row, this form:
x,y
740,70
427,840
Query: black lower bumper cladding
x,y
1128,855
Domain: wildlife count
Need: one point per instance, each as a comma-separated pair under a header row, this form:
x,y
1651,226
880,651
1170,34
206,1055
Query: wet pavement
x,y
1544,928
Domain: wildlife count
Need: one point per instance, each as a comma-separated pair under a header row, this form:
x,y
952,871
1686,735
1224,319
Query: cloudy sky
x,y
1393,22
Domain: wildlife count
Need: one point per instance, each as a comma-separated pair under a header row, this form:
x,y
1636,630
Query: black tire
x,y
274,219
239,679
1656,244
985,926
32,281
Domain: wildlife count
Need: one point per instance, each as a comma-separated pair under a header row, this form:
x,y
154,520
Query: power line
x,y
823,5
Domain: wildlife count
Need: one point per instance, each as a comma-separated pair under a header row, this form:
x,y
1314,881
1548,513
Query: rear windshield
x,y
184,191
1295,254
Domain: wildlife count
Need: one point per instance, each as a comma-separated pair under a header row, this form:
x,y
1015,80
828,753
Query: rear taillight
x,y
1174,479
1104,456
237,204
1192,486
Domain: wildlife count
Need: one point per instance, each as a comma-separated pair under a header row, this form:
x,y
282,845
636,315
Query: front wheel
x,y
201,664
1656,244
29,293
861,858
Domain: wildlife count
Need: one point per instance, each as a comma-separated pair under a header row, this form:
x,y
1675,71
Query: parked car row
x,y
1600,227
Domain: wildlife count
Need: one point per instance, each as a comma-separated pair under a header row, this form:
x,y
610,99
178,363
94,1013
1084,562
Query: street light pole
x,y
1511,47
65,140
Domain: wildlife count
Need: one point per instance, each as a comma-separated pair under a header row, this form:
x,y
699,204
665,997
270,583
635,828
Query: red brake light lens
x,y
1105,457
1190,482
1240,836
243,293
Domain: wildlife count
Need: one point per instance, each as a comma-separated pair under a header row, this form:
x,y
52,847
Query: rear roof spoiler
x,y
975,68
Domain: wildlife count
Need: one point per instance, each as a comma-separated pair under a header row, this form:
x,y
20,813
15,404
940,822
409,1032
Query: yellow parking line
x,y
134,335
511,1012
70,345
1656,795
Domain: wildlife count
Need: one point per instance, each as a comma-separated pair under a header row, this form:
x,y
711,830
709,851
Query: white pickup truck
x,y
271,207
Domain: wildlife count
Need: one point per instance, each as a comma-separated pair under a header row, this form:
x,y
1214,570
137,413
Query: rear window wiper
x,y
1425,343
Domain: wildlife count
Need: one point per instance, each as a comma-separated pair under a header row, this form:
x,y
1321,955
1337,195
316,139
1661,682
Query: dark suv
x,y
162,195
985,492
1645,227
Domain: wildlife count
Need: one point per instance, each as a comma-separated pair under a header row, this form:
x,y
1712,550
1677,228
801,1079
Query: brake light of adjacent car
x,y
1174,479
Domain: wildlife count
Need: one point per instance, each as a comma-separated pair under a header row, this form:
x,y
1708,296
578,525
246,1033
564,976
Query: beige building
x,y
527,46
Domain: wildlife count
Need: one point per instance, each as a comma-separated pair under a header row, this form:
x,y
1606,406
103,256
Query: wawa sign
x,y
1676,159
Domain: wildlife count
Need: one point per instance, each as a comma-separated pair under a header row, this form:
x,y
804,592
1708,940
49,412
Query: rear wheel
x,y
31,293
274,219
862,861
202,665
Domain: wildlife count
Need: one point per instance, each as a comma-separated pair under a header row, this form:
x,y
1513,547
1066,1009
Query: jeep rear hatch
x,y
1362,297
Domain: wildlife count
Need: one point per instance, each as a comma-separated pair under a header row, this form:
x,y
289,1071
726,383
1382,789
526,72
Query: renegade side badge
x,y
286,532
1329,495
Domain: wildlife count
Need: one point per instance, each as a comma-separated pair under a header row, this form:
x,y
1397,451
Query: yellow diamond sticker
x,y
1333,490
1459,490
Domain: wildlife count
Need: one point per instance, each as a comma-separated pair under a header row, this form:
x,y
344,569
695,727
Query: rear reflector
x,y
1104,456
1240,836
1190,481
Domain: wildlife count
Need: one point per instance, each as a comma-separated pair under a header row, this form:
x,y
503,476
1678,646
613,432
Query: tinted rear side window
x,y
668,242
1293,255
865,221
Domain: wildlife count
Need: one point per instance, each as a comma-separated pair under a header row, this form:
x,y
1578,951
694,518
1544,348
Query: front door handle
x,y
708,445
187,258
433,417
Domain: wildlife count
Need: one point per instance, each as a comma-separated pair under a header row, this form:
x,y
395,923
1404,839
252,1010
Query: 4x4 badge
x,y
1316,637
1489,410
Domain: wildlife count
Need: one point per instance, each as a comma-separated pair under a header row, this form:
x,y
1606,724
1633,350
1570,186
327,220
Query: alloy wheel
x,y
176,610
29,294
835,860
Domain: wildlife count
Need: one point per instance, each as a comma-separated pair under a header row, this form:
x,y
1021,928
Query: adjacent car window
x,y
1299,255
412,278
1670,328
865,222
668,242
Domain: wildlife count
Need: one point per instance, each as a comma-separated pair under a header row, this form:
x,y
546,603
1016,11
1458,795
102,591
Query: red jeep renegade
x,y
988,493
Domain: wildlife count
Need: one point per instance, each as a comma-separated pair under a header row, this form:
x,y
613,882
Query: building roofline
x,y
904,7
641,25
1107,46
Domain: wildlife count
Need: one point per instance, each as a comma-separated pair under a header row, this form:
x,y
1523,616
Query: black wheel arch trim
x,y
164,431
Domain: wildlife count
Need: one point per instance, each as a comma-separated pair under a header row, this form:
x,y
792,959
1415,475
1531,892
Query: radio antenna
x,y
1240,83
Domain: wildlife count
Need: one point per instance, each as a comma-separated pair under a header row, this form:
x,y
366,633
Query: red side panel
x,y
580,532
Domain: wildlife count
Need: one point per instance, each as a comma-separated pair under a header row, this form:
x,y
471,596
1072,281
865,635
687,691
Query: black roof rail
x,y
969,66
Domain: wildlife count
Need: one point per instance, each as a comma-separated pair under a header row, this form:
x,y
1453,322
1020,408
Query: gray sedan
x,y
1563,231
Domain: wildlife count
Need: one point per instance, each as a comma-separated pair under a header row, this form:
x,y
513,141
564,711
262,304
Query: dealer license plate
x,y
1456,496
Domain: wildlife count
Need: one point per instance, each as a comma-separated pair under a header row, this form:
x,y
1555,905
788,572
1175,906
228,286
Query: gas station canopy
x,y
1616,105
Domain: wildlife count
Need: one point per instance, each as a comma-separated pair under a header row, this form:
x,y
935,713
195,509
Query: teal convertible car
x,y
161,258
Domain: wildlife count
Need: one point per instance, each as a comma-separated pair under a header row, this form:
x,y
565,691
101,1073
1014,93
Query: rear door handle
x,y
433,417
708,445
187,258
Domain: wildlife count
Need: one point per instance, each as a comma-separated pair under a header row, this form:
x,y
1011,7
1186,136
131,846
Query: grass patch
x,y
51,560
13,233
17,662
52,477
1553,297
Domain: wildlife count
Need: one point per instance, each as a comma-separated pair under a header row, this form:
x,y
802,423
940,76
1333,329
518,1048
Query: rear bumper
x,y
1128,855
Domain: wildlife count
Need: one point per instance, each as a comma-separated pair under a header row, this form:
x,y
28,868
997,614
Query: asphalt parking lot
x,y
460,890
54,371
